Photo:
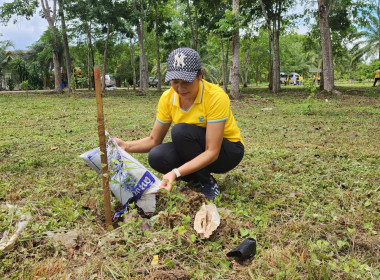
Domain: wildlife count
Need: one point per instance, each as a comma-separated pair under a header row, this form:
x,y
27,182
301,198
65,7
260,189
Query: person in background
x,y
205,138
300,80
377,76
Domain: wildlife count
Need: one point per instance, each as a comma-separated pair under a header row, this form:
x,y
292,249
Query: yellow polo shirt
x,y
377,73
212,105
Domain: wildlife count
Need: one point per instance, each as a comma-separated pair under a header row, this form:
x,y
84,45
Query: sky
x,y
23,33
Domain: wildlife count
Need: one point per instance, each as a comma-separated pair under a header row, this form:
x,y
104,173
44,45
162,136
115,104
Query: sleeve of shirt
x,y
219,108
163,109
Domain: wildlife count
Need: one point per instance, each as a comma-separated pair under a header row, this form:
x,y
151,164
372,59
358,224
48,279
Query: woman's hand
x,y
121,143
167,181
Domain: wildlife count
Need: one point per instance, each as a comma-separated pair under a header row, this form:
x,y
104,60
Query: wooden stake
x,y
103,149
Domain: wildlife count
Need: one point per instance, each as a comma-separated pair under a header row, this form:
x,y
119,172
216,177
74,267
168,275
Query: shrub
x,y
25,85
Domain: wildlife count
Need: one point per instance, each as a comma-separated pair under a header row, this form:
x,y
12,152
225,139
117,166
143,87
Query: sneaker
x,y
210,189
194,185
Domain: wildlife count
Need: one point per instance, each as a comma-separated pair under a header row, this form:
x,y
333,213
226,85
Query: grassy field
x,y
307,190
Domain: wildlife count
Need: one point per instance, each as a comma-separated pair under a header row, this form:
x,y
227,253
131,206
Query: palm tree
x,y
369,45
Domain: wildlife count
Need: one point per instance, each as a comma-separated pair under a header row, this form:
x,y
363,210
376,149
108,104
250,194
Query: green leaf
x,y
341,243
182,230
350,230
186,219
175,228
193,237
244,232
367,203
115,161
168,262
224,264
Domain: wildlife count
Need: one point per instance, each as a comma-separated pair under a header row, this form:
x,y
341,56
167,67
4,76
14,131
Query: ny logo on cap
x,y
179,60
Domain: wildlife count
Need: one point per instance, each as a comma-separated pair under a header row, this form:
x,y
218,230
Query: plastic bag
x,y
130,181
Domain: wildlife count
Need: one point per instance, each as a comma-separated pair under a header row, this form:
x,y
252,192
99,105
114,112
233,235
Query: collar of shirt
x,y
198,99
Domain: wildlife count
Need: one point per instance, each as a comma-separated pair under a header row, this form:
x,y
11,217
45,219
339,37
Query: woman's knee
x,y
179,130
163,158
155,158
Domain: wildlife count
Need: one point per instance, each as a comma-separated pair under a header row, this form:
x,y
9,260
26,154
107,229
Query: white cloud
x,y
302,30
24,32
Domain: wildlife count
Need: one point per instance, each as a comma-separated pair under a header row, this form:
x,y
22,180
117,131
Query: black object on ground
x,y
245,250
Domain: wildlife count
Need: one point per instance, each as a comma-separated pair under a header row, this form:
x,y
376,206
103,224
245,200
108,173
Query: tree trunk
x,y
321,81
270,73
191,26
50,17
66,44
246,68
378,27
324,9
276,61
224,76
274,84
89,55
105,58
227,67
132,50
235,90
140,32
257,74
157,49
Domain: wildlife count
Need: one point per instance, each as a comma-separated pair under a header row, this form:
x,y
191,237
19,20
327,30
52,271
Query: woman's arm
x,y
144,145
214,138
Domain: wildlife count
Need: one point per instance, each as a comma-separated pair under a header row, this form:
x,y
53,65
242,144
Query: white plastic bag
x,y
130,180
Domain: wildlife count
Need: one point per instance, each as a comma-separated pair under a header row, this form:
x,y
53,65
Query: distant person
x,y
377,76
297,81
300,80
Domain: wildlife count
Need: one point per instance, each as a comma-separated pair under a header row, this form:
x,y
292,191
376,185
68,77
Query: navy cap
x,y
183,64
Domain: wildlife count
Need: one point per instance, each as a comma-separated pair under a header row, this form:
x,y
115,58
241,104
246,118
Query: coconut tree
x,y
368,45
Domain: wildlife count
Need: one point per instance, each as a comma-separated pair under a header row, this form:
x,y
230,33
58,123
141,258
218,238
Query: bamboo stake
x,y
103,149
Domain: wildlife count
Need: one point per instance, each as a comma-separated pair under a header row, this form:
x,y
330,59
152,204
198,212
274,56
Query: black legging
x,y
376,79
188,142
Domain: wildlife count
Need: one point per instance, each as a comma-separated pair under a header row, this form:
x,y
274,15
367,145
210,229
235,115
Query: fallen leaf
x,y
128,217
90,204
14,196
154,260
145,226
67,239
53,148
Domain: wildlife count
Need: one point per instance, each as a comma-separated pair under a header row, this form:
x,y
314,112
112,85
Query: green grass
x,y
307,189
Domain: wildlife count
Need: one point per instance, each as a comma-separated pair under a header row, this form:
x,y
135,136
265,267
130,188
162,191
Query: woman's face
x,y
186,89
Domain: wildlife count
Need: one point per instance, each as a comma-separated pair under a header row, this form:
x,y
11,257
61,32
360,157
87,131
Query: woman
x,y
205,137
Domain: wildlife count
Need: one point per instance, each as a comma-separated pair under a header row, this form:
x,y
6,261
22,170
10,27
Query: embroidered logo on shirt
x,y
201,118
179,60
